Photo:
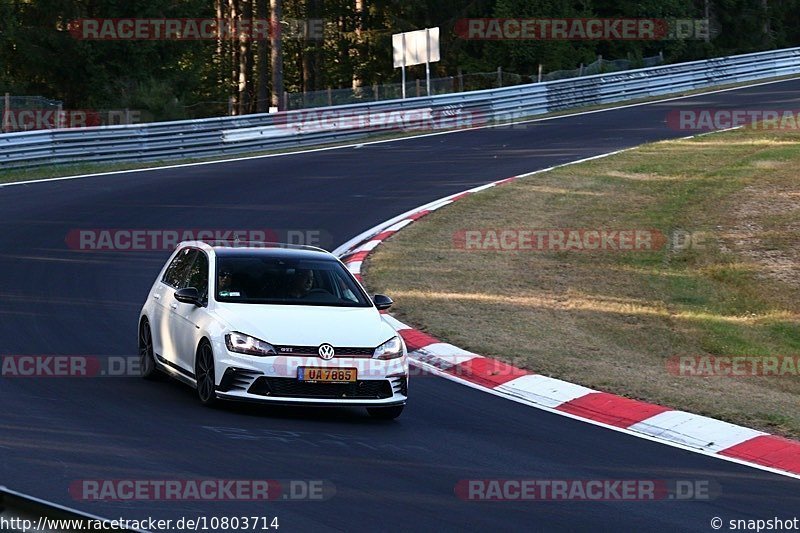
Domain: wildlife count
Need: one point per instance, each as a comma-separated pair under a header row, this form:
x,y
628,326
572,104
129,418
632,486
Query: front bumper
x,y
274,380
300,402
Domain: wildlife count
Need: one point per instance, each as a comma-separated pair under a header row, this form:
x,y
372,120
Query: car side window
x,y
198,275
176,272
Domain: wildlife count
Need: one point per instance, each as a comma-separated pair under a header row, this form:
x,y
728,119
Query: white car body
x,y
296,332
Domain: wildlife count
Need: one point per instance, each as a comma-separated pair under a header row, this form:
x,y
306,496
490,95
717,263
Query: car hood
x,y
305,325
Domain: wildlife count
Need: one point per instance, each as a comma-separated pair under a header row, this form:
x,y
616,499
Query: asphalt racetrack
x,y
388,476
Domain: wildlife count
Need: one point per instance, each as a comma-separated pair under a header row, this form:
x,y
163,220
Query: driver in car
x,y
225,284
301,284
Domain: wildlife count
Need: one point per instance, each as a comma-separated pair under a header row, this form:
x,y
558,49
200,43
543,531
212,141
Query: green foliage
x,y
172,79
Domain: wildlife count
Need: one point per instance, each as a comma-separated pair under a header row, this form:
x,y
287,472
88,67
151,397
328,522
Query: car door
x,y
186,318
163,296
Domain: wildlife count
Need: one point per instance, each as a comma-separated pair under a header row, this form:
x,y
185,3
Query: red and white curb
x,y
653,422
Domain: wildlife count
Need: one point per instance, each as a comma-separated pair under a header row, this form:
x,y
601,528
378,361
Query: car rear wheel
x,y
385,413
204,374
147,362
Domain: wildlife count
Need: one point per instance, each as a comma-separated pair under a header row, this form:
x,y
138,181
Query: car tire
x,y
147,361
205,375
385,413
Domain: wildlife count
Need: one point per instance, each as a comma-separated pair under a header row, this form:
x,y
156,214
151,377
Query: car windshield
x,y
270,280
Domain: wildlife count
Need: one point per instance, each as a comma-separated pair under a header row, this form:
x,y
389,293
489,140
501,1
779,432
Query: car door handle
x,y
156,296
173,306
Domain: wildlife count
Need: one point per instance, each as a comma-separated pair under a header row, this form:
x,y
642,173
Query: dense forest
x,y
342,43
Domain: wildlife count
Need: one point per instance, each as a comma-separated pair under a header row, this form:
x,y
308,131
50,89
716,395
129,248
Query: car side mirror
x,y
382,301
189,295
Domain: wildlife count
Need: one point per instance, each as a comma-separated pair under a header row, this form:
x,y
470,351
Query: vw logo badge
x,y
326,351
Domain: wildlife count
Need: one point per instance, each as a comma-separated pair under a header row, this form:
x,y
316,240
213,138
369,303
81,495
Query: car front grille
x,y
313,351
292,388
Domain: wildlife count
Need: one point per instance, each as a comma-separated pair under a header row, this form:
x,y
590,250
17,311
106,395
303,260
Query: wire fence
x,y
459,83
28,102
22,113
601,66
25,113
28,113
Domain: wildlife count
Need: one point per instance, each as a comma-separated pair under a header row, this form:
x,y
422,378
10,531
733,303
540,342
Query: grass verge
x,y
614,320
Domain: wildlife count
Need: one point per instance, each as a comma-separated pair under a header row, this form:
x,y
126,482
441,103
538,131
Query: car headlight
x,y
241,343
390,349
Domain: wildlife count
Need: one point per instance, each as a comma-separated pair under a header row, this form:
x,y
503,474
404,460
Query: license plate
x,y
313,374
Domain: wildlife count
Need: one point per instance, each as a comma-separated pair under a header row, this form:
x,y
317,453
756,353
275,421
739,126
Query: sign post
x,y
403,66
415,48
428,60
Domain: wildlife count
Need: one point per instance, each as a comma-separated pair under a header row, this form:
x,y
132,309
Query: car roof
x,y
262,249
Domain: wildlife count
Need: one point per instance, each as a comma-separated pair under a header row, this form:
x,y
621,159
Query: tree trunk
x,y
276,55
244,85
263,66
219,61
234,20
311,80
355,51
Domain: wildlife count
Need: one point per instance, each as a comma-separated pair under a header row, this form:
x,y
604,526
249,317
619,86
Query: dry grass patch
x,y
611,320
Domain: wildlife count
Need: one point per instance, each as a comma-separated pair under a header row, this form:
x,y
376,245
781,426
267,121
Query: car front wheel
x,y
147,363
204,374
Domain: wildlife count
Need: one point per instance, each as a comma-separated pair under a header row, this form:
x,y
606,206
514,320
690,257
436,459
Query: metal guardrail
x,y
251,133
21,513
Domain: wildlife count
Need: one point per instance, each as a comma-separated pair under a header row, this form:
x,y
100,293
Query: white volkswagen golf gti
x,y
272,323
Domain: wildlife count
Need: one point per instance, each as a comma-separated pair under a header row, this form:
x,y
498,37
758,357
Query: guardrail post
x,y
499,77
540,73
460,81
330,97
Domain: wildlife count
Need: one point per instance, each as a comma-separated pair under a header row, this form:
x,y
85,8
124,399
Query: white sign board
x,y
415,47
